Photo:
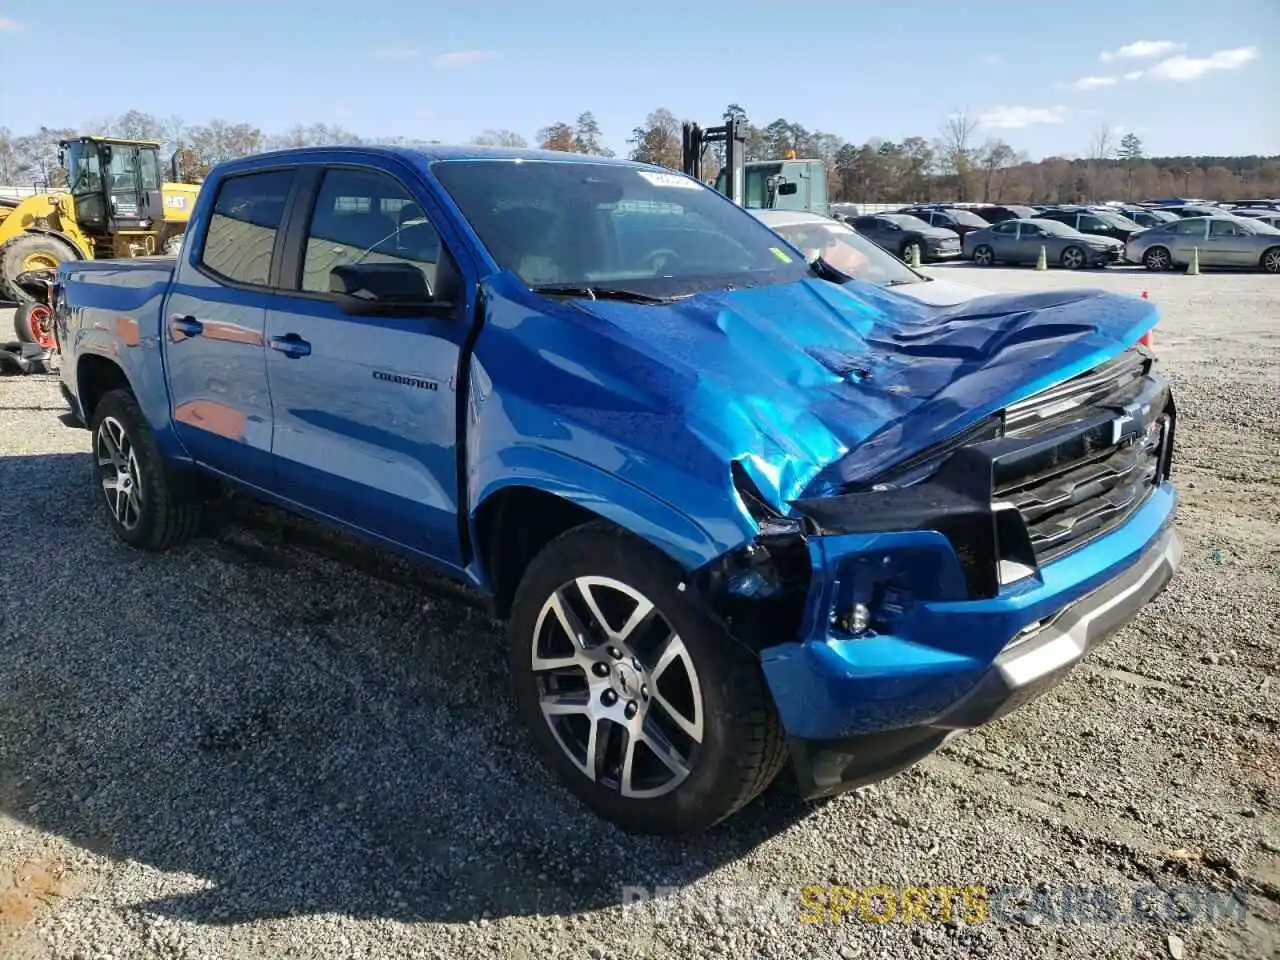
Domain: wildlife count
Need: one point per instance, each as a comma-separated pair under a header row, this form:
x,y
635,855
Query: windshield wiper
x,y
898,283
597,293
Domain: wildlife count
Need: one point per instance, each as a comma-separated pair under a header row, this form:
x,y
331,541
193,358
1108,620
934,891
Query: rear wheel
x,y
33,323
642,704
984,256
1157,258
1270,260
25,253
148,505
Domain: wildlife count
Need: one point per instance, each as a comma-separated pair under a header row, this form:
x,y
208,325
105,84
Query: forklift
x,y
789,184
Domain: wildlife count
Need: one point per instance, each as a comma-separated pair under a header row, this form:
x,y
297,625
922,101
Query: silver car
x,y
1224,241
1019,241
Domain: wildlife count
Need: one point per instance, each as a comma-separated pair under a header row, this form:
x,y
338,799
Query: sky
x,y
1188,76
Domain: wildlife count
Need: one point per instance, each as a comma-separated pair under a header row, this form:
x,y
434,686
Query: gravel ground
x,y
269,745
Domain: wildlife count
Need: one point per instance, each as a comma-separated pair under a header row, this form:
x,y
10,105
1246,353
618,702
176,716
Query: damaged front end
x,y
957,584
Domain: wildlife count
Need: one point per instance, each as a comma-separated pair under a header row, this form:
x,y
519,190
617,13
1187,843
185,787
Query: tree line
x,y
954,164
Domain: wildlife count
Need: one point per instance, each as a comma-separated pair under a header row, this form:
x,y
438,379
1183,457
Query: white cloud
x,y
397,53
1182,69
1134,75
7,24
1092,83
1013,118
463,58
1143,50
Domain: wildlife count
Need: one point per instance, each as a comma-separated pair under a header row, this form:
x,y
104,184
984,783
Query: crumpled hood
x,y
812,383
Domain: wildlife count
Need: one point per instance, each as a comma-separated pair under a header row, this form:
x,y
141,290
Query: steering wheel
x,y
658,258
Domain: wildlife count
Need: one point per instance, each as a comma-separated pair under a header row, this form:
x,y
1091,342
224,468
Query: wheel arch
x,y
57,235
514,519
96,376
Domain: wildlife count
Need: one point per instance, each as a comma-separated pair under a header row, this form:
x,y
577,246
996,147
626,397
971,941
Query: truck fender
x,y
689,542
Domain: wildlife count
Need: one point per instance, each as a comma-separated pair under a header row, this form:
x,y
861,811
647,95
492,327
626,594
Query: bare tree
x,y
956,150
1101,149
994,156
499,138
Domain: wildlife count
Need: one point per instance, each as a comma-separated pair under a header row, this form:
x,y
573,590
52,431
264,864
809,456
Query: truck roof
x,y
430,153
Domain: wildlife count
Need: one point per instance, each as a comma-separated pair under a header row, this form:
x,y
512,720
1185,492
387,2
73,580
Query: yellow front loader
x,y
117,204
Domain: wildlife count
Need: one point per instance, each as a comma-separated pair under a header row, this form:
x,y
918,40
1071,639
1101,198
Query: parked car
x,y
853,254
1222,241
1019,241
899,233
1195,210
948,218
1264,214
735,514
994,213
1271,204
1148,218
1099,223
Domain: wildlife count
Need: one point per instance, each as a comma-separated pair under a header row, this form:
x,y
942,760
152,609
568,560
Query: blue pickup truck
x,y
738,509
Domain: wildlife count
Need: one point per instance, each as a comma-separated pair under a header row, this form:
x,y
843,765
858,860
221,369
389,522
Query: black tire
x,y
168,506
13,254
984,255
1270,260
33,323
742,747
1158,258
1074,258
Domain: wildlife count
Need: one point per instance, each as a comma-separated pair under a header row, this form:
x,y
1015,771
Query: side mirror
x,y
787,189
383,289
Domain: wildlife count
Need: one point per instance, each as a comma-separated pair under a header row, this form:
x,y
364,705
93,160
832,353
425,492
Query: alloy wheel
x,y
1073,259
1271,261
617,687
983,256
1157,259
121,478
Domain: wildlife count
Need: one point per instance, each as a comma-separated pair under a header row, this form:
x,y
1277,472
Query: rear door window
x,y
241,239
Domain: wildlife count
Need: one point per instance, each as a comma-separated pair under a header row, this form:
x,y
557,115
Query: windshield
x,y
968,219
84,173
848,252
1119,220
598,225
1056,228
906,221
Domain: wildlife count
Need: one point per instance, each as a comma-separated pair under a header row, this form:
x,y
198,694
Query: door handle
x,y
186,326
291,345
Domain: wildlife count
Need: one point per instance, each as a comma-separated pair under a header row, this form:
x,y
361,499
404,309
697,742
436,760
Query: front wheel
x,y
148,505
1157,258
984,256
647,710
1073,258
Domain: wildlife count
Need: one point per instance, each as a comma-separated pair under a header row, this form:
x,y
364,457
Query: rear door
x,y
1187,235
215,314
1004,240
365,407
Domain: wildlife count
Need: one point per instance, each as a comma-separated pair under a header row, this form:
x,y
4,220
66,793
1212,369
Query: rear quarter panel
x,y
112,309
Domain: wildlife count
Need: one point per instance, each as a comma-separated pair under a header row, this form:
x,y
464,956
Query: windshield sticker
x,y
777,252
669,180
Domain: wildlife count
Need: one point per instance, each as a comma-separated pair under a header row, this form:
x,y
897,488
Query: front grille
x,y
1075,500
1114,383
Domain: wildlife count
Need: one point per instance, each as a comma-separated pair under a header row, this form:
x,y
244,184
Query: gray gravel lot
x,y
269,745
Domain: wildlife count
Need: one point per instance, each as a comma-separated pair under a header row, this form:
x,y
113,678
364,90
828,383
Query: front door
x,y
215,316
365,409
1228,245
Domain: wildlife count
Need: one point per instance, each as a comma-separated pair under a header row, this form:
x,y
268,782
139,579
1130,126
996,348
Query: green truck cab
x,y
790,184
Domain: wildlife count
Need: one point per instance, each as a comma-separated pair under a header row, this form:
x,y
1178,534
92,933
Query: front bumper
x,y
1103,258
938,252
860,709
